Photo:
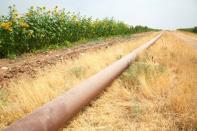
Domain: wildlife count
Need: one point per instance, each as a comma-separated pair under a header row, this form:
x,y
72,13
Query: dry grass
x,y
158,92
25,94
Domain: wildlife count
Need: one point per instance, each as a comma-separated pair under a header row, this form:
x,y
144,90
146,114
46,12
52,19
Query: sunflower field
x,y
41,28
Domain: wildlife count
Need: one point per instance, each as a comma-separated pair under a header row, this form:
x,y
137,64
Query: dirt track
x,y
30,63
188,39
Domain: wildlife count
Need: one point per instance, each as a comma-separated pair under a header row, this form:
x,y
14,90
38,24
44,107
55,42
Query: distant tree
x,y
195,29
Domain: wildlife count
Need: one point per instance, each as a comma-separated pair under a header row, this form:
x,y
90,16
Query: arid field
x,y
98,65
157,92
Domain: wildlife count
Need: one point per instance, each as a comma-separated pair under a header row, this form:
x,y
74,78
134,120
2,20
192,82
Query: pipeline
x,y
55,114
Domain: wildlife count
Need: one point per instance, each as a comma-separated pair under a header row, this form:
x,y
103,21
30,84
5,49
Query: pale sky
x,y
164,14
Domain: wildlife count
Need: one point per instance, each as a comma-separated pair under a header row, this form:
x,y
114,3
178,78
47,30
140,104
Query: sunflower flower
x,y
6,26
24,25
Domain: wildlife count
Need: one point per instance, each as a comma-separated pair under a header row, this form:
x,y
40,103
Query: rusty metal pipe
x,y
53,115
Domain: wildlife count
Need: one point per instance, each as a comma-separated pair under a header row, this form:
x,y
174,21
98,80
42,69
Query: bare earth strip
x,y
189,38
31,63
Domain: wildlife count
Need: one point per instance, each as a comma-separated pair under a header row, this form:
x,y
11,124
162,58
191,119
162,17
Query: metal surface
x,y
56,113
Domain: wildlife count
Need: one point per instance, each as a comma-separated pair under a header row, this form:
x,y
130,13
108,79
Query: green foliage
x,y
77,71
194,29
40,28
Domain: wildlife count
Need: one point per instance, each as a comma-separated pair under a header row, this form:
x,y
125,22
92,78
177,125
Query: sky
x,y
162,14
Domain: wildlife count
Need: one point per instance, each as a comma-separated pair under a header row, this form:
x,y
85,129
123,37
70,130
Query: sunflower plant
x,y
41,28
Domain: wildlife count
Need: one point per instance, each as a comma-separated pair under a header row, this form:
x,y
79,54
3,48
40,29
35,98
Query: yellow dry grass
x,y
25,94
158,92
